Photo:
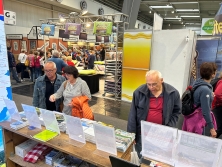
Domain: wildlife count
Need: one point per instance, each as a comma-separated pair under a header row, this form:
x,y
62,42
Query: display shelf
x,y
18,160
113,68
13,138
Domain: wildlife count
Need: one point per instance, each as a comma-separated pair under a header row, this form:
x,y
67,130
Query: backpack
x,y
32,61
188,101
214,83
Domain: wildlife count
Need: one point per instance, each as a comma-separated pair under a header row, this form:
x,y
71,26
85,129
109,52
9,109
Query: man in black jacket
x,y
156,102
12,65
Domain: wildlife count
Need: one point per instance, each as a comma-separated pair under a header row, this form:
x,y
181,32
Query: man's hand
x,y
213,133
52,98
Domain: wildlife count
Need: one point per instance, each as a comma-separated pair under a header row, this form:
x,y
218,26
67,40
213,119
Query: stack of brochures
x,y
88,130
18,124
123,139
45,135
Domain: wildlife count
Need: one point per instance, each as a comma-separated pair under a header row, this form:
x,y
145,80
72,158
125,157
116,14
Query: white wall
x,y
28,15
195,28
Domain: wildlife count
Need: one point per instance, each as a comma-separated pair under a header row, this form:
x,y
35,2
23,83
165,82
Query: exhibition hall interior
x,y
110,83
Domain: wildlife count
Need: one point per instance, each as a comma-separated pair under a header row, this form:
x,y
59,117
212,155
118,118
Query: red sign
x,y
1,8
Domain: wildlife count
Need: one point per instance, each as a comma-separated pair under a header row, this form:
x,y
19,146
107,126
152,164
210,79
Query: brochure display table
x,y
13,138
92,82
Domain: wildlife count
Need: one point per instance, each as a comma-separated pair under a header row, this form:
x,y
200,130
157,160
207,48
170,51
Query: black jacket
x,y
11,60
140,105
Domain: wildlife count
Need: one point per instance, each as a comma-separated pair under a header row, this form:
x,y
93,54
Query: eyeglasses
x,y
151,84
68,74
49,71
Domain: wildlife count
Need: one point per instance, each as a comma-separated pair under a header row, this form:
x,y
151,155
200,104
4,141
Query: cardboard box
x,y
23,148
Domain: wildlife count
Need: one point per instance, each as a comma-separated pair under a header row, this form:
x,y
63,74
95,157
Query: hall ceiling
x,y
178,11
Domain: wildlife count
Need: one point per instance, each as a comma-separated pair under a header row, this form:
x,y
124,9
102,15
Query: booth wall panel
x,y
132,79
172,56
136,61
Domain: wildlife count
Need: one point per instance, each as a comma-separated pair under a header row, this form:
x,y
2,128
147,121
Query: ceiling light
x,y
183,2
169,24
84,11
161,7
172,11
187,10
150,12
62,19
88,24
171,18
189,16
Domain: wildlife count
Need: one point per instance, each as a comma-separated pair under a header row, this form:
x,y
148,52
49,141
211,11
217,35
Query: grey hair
x,y
51,62
55,53
154,72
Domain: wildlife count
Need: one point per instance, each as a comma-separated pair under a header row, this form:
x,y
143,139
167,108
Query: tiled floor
x,y
104,106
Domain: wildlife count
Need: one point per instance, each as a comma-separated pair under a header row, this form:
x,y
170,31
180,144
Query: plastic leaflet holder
x,y
15,118
105,140
77,136
158,142
32,116
51,124
197,150
12,109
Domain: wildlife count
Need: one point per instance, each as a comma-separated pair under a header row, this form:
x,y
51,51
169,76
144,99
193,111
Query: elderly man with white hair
x,y
59,62
155,101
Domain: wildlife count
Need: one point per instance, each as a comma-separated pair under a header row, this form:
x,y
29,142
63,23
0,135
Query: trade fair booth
x,y
72,141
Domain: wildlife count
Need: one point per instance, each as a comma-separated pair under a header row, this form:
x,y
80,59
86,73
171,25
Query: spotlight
x,y
172,11
88,24
62,19
150,12
84,11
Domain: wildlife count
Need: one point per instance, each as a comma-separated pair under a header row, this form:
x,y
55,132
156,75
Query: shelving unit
x,y
113,81
13,138
113,68
18,160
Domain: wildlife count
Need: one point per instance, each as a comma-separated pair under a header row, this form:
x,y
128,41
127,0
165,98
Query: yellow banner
x,y
136,61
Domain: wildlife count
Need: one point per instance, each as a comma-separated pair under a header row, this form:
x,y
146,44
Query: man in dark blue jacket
x,y
59,62
12,65
156,102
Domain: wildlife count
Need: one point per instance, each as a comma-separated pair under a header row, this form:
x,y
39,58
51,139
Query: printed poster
x,y
102,28
48,29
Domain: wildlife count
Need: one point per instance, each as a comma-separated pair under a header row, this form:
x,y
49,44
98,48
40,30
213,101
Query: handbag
x,y
27,62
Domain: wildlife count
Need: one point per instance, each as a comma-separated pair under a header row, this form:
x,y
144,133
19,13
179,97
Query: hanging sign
x,y
218,22
102,28
72,28
48,29
207,26
10,17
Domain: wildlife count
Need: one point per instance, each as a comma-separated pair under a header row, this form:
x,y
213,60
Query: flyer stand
x,y
105,140
77,136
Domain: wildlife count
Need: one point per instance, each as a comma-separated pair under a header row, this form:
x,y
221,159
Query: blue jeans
x,y
14,73
38,72
32,70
